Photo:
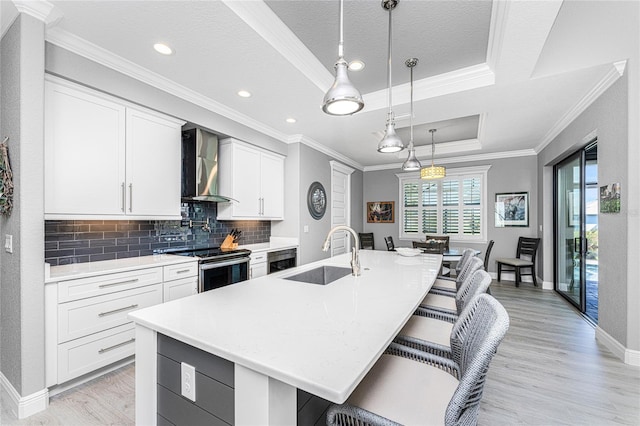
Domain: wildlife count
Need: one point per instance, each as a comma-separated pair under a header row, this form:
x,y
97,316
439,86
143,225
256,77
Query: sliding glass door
x,y
576,210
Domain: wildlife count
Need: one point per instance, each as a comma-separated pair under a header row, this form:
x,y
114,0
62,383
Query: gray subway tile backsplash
x,y
79,241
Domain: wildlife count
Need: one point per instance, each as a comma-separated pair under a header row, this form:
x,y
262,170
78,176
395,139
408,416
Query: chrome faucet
x,y
355,258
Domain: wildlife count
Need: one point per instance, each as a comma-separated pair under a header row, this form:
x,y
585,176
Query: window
x,y
454,206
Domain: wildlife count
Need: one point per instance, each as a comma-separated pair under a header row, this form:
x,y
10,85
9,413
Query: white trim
x,y
462,159
629,356
106,58
335,165
424,151
40,9
616,71
24,406
325,150
497,29
476,171
259,17
469,78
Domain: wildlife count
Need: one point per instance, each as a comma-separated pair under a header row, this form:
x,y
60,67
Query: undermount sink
x,y
321,275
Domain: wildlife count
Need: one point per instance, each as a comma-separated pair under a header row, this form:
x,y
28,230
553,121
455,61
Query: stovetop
x,y
210,253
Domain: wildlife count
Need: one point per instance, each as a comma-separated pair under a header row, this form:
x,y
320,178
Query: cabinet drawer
x,y
258,257
82,317
84,355
105,284
181,270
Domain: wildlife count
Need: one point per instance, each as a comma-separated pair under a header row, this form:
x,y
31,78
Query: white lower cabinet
x,y
86,325
258,265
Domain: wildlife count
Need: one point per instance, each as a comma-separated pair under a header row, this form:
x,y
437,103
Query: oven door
x,y
219,274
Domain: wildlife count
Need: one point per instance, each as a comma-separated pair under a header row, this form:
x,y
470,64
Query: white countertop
x,y
275,243
322,339
88,269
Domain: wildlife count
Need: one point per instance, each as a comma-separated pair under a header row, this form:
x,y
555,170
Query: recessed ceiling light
x,y
244,94
162,48
356,65
291,120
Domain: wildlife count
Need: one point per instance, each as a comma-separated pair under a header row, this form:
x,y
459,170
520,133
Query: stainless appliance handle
x,y
213,265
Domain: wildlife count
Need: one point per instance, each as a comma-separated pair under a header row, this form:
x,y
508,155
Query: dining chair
x,y
366,240
408,386
429,330
389,242
525,259
487,254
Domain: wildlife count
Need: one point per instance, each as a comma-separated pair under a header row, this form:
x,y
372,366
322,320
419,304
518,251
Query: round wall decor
x,y
316,200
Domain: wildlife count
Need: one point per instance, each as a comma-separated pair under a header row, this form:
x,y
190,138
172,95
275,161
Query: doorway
x,y
340,206
576,230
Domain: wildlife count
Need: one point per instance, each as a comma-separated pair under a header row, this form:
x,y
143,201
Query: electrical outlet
x,y
188,381
8,243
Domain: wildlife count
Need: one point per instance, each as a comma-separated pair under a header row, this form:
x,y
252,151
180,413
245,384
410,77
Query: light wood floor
x,y
549,370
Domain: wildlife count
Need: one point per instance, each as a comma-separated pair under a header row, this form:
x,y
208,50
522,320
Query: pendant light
x,y
433,172
390,142
412,162
342,98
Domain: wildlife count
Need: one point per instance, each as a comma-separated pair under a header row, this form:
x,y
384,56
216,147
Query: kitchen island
x,y
282,335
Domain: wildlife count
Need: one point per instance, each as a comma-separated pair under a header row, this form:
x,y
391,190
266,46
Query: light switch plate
x,y
188,381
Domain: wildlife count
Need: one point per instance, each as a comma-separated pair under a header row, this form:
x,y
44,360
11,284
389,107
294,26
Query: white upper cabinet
x,y
252,176
105,158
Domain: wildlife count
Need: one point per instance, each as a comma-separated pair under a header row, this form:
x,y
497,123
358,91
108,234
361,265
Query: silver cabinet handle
x,y
118,283
115,311
259,204
130,197
110,348
123,197
263,206
182,271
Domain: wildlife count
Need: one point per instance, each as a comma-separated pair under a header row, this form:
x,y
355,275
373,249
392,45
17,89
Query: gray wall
x,y
305,165
607,119
505,175
22,273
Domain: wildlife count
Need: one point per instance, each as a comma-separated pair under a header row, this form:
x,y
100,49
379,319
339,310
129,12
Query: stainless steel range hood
x,y
200,167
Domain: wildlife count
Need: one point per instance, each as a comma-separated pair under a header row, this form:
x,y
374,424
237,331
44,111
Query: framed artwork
x,y
380,211
512,209
316,200
610,198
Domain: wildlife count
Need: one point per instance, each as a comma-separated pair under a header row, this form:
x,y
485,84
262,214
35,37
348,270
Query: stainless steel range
x,y
218,267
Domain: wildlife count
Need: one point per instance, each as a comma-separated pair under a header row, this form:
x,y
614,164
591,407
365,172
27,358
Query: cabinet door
x,y
180,288
246,181
272,186
84,153
153,166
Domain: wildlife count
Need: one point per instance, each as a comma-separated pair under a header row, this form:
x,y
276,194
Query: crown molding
x,y
106,58
497,29
424,151
258,16
461,80
39,9
462,159
325,150
614,73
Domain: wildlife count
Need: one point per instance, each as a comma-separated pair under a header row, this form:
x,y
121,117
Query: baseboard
x,y
511,276
629,356
24,406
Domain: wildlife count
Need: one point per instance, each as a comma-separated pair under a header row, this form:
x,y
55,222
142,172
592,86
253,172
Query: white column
x,y
146,370
262,400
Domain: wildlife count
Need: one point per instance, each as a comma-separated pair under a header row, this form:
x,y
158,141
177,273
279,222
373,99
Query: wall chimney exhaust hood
x,y
200,167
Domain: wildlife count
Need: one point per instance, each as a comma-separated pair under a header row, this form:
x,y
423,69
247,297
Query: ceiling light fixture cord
x,y
412,163
390,142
